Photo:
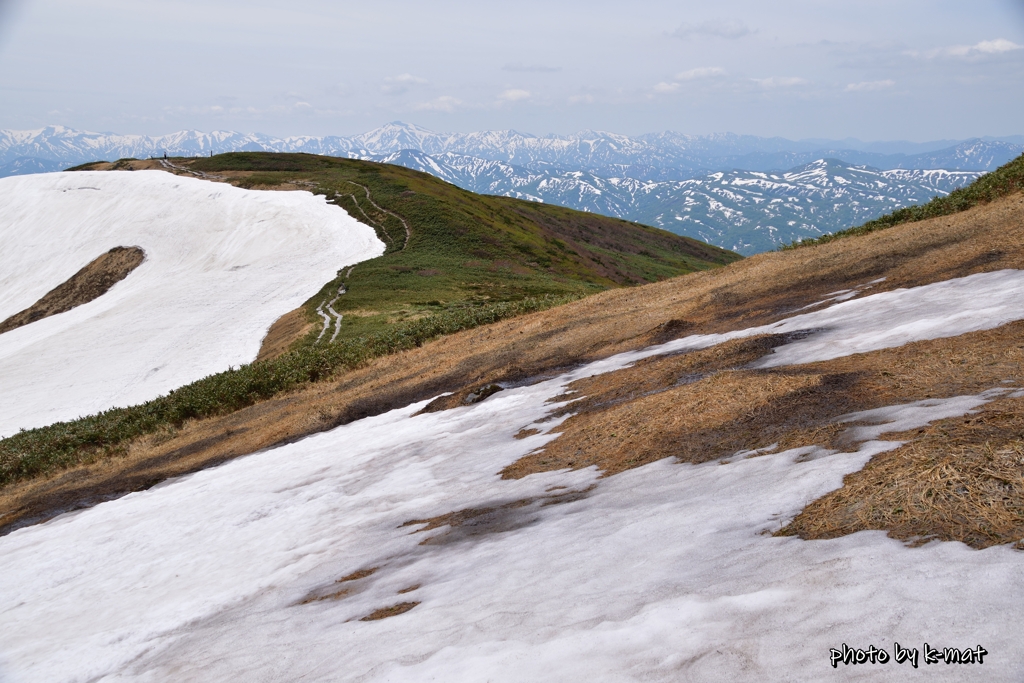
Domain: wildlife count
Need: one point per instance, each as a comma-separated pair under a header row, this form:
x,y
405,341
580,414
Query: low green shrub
x,y
34,452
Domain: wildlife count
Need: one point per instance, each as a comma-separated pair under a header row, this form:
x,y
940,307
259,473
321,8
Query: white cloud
x,y
397,85
730,29
780,82
701,72
665,88
996,46
445,103
985,47
867,86
581,99
514,95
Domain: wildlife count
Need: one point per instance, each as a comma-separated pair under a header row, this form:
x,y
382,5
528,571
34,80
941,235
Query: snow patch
x,y
662,573
222,264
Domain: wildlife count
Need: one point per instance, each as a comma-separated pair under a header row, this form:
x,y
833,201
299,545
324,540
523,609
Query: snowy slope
x,y
221,265
662,573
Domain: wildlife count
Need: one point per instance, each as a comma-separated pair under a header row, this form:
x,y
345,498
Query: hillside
x,y
449,250
718,476
452,260
746,211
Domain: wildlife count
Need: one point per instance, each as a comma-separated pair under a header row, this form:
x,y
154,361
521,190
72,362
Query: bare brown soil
x,y
126,165
91,282
285,331
755,291
181,167
470,523
332,592
393,611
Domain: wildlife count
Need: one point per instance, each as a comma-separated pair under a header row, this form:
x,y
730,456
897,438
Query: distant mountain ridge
x,y
744,211
726,189
654,156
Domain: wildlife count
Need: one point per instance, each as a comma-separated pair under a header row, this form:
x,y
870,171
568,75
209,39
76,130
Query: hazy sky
x,y
873,69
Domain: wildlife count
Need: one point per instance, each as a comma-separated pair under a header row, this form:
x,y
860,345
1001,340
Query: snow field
x,y
666,572
222,264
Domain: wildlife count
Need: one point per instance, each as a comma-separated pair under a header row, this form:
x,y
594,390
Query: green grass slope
x,y
464,250
466,260
1003,181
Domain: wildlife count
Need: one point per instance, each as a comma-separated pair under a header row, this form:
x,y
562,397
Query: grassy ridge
x,y
465,250
35,452
1003,181
467,260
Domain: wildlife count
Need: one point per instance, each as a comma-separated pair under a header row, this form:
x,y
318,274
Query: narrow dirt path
x,y
327,320
166,163
334,316
408,232
337,321
370,220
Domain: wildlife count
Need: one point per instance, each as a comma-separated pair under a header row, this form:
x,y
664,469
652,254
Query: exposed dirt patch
x,y
285,331
332,592
755,291
246,179
467,396
393,611
125,165
471,523
91,282
334,595
360,574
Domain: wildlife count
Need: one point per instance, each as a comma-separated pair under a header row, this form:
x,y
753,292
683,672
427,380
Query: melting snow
x,y
221,265
666,572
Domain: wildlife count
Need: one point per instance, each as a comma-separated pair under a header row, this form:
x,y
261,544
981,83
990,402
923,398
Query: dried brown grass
x,y
285,331
755,291
960,479
699,407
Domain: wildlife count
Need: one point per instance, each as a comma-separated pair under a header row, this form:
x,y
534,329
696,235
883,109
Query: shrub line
x,y
34,452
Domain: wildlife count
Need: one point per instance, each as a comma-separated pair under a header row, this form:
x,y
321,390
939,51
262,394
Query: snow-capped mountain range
x,y
746,211
655,156
688,184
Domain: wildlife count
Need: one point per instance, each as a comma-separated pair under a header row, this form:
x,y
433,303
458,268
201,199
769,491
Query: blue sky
x,y
899,69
